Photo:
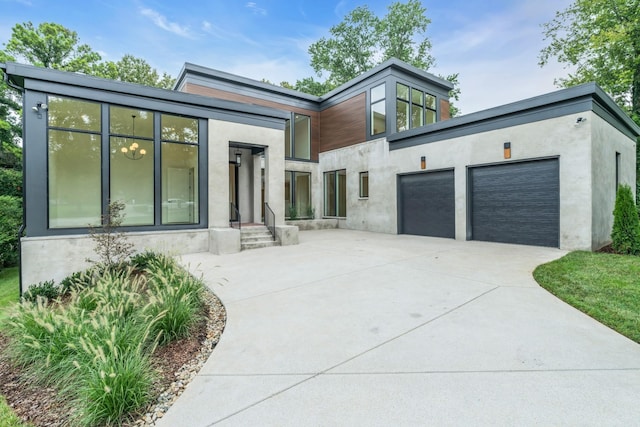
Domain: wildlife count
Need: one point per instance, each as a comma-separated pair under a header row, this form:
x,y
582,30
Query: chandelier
x,y
132,152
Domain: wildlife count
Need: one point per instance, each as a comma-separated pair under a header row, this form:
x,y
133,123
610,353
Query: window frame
x,y
38,218
412,106
292,192
362,193
336,193
375,102
291,124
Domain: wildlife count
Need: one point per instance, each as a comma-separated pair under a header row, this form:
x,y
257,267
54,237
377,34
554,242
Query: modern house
x,y
379,153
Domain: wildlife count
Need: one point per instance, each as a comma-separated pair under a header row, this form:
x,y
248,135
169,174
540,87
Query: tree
x,y
51,45
133,70
625,234
363,40
601,40
10,125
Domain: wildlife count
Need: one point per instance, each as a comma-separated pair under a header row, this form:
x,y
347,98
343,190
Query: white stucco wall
x,y
605,143
47,258
557,137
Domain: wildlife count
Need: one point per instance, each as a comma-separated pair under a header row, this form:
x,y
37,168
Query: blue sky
x,y
493,44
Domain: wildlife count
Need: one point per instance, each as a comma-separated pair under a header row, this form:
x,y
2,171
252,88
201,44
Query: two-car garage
x,y
513,202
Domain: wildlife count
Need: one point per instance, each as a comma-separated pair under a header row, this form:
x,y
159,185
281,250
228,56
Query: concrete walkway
x,y
363,329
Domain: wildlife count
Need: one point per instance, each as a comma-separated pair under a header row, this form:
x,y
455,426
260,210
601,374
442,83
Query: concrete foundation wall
x,y
47,258
557,137
606,142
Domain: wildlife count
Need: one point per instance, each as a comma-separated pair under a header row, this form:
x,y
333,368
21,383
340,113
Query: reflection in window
x,y
131,163
179,171
297,195
133,173
378,110
74,163
74,179
298,139
335,193
414,108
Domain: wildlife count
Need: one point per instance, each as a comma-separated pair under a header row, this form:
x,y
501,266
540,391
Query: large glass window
x,y
179,170
378,110
297,139
297,194
414,108
335,193
154,173
74,163
131,163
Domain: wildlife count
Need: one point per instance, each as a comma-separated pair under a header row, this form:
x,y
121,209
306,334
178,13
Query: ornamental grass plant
x,y
94,342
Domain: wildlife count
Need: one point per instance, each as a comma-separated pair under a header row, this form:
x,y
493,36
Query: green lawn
x,y
7,417
604,286
9,293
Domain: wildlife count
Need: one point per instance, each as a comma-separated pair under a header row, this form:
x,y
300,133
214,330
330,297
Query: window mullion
x,y
157,181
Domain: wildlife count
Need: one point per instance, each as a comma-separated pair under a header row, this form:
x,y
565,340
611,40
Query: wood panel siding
x,y
344,124
444,110
230,96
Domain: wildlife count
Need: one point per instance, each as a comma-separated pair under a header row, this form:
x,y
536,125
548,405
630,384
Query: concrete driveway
x,y
363,329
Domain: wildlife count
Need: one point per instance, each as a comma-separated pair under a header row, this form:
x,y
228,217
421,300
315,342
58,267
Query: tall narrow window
x,y
364,185
180,175
378,110
335,193
131,163
74,163
430,110
402,107
297,138
297,194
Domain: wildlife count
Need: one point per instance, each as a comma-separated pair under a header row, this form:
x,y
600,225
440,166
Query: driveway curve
x,y
365,329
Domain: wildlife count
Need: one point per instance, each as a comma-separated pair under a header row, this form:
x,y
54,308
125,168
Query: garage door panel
x,y
427,204
516,203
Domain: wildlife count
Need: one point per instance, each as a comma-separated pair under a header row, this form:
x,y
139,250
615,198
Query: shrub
x,y
10,183
625,234
45,290
10,220
143,260
112,247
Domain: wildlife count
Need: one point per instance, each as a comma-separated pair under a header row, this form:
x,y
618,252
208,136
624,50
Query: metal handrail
x,y
234,209
270,220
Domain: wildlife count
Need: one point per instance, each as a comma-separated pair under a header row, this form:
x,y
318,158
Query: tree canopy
x,y
363,40
600,40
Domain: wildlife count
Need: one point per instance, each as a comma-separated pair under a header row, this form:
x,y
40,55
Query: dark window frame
x,y
424,108
291,122
361,187
39,223
292,191
336,188
374,102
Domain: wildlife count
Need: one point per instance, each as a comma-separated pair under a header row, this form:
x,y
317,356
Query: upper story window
x,y
414,108
297,138
378,110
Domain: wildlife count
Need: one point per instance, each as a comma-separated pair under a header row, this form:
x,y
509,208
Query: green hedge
x,y
625,235
10,182
10,220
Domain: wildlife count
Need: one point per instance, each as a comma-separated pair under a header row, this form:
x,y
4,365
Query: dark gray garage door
x,y
516,203
426,204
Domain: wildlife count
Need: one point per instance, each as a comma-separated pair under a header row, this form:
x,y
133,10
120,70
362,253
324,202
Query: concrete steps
x,y
256,236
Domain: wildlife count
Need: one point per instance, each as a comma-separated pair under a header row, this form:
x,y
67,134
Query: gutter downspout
x,y
24,216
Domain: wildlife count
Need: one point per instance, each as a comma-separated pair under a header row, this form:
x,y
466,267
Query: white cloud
x,y
162,22
497,56
275,70
223,34
252,6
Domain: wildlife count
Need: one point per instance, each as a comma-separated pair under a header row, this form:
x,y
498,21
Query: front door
x,y
233,191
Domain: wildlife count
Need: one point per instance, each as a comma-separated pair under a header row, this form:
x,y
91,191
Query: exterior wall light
x,y
507,150
423,162
40,106
238,158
